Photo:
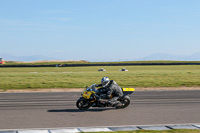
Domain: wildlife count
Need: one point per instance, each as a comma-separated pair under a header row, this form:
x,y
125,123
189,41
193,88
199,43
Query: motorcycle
x,y
90,98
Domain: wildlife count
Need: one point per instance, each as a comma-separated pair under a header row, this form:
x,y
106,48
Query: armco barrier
x,y
111,64
105,129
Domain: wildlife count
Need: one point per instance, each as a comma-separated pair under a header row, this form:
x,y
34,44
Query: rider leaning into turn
x,y
110,87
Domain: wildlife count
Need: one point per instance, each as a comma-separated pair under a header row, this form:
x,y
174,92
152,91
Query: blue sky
x,y
99,30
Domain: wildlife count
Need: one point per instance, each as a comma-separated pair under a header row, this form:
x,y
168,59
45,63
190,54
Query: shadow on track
x,y
77,110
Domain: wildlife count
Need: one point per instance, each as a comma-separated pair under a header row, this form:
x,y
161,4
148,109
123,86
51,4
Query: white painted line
x,y
154,127
123,128
72,130
33,131
183,127
104,129
95,130
8,131
197,126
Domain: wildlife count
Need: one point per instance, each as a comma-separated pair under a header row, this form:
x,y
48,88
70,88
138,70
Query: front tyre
x,y
83,104
124,102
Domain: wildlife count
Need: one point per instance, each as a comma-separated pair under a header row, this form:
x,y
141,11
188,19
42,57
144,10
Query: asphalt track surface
x,y
54,110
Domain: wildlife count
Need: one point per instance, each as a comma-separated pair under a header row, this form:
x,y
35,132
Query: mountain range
x,y
158,56
9,57
161,56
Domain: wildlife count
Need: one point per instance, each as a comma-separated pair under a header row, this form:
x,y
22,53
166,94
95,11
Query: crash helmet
x,y
105,81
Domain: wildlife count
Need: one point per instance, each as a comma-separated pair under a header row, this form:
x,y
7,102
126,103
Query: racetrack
x,y
58,109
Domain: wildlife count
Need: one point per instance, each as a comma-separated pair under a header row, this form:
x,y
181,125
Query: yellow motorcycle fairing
x,y
86,94
128,89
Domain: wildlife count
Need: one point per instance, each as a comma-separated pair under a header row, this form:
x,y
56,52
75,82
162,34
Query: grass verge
x,y
79,77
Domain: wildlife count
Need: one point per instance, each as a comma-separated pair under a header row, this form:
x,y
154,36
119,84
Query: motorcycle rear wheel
x,y
125,102
83,104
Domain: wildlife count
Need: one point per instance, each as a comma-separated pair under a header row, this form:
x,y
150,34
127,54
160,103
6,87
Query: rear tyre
x,y
124,102
83,104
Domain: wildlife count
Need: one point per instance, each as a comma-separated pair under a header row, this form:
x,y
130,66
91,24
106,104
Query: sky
x,y
99,30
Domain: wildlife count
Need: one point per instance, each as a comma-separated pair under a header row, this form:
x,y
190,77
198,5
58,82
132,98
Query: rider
x,y
110,87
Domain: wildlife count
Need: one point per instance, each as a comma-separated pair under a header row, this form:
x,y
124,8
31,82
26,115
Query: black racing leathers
x,y
112,89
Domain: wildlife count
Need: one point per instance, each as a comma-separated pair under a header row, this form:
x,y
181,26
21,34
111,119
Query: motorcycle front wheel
x,y
125,102
83,104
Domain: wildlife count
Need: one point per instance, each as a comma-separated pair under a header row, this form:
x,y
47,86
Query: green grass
x,y
151,131
79,77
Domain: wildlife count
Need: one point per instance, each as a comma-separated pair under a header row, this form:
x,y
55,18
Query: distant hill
x,y
158,56
161,56
8,57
